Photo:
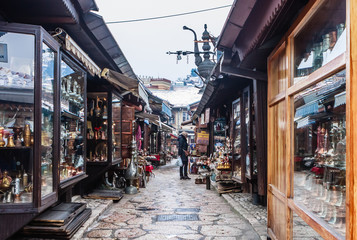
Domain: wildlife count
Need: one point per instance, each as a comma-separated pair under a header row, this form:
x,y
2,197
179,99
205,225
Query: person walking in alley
x,y
183,153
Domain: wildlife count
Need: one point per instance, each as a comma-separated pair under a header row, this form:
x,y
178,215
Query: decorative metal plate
x,y
177,217
145,209
187,210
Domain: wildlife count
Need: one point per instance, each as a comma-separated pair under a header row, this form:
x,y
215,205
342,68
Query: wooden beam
x,y
245,73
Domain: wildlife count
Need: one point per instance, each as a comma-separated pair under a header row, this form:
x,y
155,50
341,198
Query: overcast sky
x,y
145,43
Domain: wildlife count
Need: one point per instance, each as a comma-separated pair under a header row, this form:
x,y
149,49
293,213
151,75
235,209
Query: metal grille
x,y
177,217
187,209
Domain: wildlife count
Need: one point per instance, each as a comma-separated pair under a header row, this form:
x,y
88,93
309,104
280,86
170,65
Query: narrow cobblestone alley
x,y
170,208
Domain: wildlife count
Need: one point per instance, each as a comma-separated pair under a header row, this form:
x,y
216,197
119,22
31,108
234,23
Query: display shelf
x,y
15,148
70,115
70,181
237,179
72,120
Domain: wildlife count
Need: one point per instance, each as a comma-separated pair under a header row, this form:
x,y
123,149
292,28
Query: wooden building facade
x,y
305,50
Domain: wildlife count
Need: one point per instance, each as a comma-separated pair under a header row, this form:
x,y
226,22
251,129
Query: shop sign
x,y
202,119
203,138
207,112
219,127
3,52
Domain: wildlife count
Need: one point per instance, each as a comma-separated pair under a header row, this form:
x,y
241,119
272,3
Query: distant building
x,y
146,80
160,84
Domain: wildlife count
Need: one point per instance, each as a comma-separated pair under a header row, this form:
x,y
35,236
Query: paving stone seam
x,y
80,233
258,227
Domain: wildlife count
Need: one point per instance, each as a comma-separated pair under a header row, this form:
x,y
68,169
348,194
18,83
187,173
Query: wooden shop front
x,y
312,125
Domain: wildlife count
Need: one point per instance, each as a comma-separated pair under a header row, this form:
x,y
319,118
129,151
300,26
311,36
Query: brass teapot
x,y
5,181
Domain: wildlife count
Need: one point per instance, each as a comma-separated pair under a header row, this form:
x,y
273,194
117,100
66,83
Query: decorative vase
x,y
10,141
132,170
27,135
97,110
2,142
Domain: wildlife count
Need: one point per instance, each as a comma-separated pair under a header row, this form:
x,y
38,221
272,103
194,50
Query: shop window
x,y
278,72
48,81
72,120
321,40
320,150
301,230
97,127
17,74
116,113
237,165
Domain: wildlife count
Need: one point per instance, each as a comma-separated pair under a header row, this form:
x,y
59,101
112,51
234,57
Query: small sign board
x,y
203,138
219,127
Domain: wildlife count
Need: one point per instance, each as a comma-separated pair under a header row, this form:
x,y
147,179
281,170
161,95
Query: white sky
x,y
145,44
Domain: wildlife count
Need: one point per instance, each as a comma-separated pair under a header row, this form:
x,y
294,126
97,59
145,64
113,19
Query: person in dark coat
x,y
183,153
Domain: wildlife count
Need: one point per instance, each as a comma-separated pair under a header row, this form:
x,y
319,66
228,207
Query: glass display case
x,y
17,117
72,128
97,127
321,40
237,165
28,112
47,120
246,123
320,150
116,127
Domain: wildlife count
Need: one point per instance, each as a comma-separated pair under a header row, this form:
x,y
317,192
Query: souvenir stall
x,y
233,120
103,134
42,125
243,133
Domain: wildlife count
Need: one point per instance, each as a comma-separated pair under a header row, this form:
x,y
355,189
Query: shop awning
x,y
340,99
127,83
174,136
73,47
151,117
166,127
187,122
155,119
166,110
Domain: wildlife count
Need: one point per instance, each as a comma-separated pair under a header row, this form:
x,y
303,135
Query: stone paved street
x,y
170,208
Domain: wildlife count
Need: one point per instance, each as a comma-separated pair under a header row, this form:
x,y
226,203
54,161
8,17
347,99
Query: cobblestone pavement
x,y
170,208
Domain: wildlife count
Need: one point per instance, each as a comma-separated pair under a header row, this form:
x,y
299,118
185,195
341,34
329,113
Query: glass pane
x,y
301,230
48,64
247,133
116,106
237,167
253,142
321,40
72,120
97,127
320,150
17,52
278,72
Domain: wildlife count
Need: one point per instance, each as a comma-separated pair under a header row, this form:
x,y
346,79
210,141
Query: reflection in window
x,y
321,40
237,171
116,112
17,53
48,63
72,120
320,150
246,123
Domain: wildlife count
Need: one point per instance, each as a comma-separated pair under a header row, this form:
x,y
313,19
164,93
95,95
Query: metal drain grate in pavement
x,y
177,217
187,209
145,209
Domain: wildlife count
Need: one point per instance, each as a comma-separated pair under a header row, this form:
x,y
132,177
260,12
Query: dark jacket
x,y
182,141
